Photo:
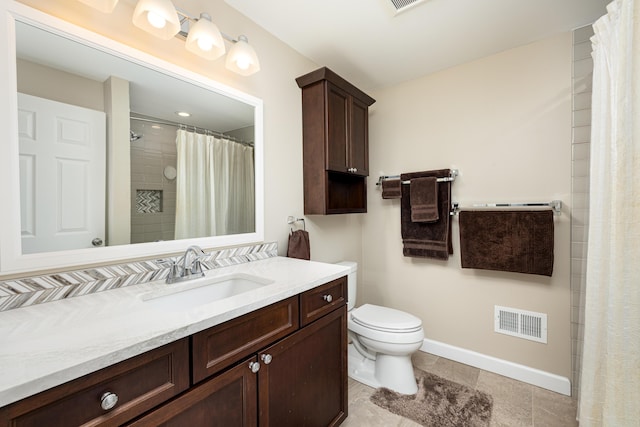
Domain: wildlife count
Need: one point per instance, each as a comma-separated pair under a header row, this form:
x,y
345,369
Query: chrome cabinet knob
x,y
254,366
327,298
266,358
108,400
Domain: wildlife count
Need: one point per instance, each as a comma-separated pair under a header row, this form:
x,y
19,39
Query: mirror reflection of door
x,y
62,175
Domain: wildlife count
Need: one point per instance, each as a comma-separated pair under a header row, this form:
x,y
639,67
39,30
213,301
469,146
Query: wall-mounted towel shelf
x,y
556,205
452,177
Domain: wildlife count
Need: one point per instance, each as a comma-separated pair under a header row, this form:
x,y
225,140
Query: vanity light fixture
x,y
242,58
203,38
157,17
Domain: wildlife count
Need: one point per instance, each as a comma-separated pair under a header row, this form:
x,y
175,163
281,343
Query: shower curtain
x,y
610,375
215,186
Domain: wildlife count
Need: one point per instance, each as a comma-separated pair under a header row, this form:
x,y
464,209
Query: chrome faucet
x,y
189,266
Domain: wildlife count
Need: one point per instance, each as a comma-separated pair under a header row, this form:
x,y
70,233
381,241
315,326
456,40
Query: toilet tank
x,y
352,281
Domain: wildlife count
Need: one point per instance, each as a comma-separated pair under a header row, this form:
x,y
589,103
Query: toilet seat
x,y
385,319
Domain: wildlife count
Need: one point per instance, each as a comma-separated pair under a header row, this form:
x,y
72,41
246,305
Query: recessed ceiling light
x,y
183,114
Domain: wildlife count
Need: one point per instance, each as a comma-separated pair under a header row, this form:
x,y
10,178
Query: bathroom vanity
x,y
274,356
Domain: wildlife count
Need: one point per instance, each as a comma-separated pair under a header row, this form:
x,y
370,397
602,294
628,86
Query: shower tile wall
x,y
581,145
150,154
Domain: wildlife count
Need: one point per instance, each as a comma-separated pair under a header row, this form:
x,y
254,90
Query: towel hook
x,y
293,220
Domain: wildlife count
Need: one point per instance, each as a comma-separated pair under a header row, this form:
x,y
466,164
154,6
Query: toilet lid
x,y
385,319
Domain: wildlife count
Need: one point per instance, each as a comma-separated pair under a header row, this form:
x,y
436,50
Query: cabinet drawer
x,y
140,384
319,301
220,346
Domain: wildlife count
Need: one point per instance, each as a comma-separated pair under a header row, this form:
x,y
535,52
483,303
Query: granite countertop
x,y
48,344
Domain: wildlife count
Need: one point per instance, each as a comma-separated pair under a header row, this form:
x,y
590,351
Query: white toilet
x,y
382,341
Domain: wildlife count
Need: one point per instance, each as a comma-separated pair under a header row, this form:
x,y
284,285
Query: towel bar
x,y
452,177
556,205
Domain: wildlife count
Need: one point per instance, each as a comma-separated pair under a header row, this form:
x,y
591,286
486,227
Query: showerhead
x,y
134,136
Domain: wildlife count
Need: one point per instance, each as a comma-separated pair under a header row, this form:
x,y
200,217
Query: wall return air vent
x,y
520,323
402,5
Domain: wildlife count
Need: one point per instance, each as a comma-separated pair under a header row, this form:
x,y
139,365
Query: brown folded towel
x,y
391,188
507,240
427,239
424,199
299,245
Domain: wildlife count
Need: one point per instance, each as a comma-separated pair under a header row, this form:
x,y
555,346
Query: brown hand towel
x,y
424,199
427,239
391,188
507,240
299,245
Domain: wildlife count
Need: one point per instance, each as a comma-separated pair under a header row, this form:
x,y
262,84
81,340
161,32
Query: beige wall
x,y
332,238
87,93
505,122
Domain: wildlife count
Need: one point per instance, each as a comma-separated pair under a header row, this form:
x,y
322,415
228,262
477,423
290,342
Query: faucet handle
x,y
196,264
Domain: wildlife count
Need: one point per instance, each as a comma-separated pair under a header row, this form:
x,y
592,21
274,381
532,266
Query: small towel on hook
x,y
424,199
391,189
299,246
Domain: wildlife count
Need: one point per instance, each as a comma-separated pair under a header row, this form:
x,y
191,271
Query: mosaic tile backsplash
x,y
28,291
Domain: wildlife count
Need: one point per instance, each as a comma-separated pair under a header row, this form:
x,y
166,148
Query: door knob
x,y
96,242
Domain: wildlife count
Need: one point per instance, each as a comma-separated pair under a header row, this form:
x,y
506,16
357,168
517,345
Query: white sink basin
x,y
192,293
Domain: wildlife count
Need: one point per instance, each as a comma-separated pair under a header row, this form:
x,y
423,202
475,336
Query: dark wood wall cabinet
x,y
335,132
282,365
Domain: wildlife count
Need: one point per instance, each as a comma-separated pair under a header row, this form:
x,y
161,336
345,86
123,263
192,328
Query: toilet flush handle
x,y
327,298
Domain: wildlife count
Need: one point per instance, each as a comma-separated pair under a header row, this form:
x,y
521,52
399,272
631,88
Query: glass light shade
x,y
104,6
242,59
157,17
204,39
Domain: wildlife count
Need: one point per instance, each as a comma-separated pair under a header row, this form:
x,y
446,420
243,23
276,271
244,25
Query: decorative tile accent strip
x,y
28,291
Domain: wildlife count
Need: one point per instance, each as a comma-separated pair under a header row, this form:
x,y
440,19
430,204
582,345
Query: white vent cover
x,y
520,323
402,5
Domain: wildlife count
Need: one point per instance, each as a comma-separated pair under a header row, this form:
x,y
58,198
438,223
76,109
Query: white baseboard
x,y
518,372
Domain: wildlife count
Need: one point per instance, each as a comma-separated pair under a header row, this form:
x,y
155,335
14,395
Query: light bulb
x,y
205,43
243,62
156,19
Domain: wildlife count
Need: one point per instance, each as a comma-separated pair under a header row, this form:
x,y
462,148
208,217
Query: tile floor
x,y
515,403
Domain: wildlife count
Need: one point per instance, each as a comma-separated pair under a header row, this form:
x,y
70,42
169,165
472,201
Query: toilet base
x,y
392,372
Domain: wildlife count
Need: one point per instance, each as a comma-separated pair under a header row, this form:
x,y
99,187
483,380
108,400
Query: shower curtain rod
x,y
195,128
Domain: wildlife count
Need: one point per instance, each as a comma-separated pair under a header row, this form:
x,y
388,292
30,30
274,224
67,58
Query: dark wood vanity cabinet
x,y
281,365
335,123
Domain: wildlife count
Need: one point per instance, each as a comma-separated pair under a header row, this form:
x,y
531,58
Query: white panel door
x,y
62,175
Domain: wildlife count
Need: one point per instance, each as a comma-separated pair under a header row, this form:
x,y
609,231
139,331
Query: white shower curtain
x,y
610,376
215,186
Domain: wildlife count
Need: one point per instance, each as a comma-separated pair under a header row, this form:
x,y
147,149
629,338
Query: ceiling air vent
x,y
402,5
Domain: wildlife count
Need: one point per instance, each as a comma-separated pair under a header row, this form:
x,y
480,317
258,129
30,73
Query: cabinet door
x,y
226,400
305,383
359,138
337,122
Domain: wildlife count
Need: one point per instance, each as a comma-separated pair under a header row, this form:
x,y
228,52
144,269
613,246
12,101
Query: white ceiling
x,y
366,43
